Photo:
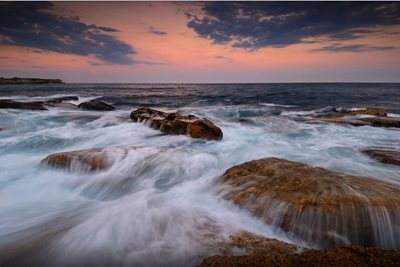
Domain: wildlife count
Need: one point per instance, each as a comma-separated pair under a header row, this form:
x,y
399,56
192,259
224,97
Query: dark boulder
x,y
11,104
96,105
174,123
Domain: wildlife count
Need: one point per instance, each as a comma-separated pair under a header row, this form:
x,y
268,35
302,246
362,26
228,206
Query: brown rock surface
x,y
385,156
87,160
367,111
317,205
351,255
174,123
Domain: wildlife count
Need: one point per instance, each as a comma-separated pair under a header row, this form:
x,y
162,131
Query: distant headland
x,y
19,80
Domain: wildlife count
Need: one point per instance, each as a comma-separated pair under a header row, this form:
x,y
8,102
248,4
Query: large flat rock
x,y
351,255
175,123
316,205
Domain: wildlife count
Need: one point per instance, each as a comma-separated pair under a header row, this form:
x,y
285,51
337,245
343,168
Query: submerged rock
x,y
317,205
351,255
384,156
11,104
85,160
174,123
96,105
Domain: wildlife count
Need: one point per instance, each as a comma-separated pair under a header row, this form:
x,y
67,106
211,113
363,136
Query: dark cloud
x,y
253,25
353,48
155,31
33,25
4,57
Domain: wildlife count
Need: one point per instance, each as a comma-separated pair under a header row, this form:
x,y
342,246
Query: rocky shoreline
x,y
351,217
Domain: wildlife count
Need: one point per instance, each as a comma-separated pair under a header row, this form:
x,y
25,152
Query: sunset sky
x,y
201,41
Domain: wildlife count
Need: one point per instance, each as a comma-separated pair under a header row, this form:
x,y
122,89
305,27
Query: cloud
x,y
155,31
353,48
220,57
34,25
254,25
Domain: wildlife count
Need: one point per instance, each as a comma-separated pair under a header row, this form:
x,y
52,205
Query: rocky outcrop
x,y
11,104
370,121
317,205
85,160
384,156
174,123
96,105
367,111
18,80
351,255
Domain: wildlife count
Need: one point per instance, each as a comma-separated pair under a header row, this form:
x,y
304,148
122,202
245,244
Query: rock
x,y
96,105
383,121
384,156
367,111
61,99
85,160
11,104
316,205
252,243
174,123
18,80
370,121
351,255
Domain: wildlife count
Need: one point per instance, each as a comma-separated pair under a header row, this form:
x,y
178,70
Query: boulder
x,y
174,123
11,104
367,111
96,105
85,160
351,255
316,205
384,156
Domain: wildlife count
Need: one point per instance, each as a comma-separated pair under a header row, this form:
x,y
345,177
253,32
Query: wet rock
x,y
253,243
96,105
11,104
382,121
61,99
317,205
367,111
174,123
85,160
351,255
384,156
369,121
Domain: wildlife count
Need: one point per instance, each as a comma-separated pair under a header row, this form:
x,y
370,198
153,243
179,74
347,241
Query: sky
x,y
201,42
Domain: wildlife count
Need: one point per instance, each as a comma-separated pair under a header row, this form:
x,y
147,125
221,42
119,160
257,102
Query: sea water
x,y
157,205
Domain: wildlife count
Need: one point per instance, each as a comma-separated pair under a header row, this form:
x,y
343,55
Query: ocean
x,y
154,206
